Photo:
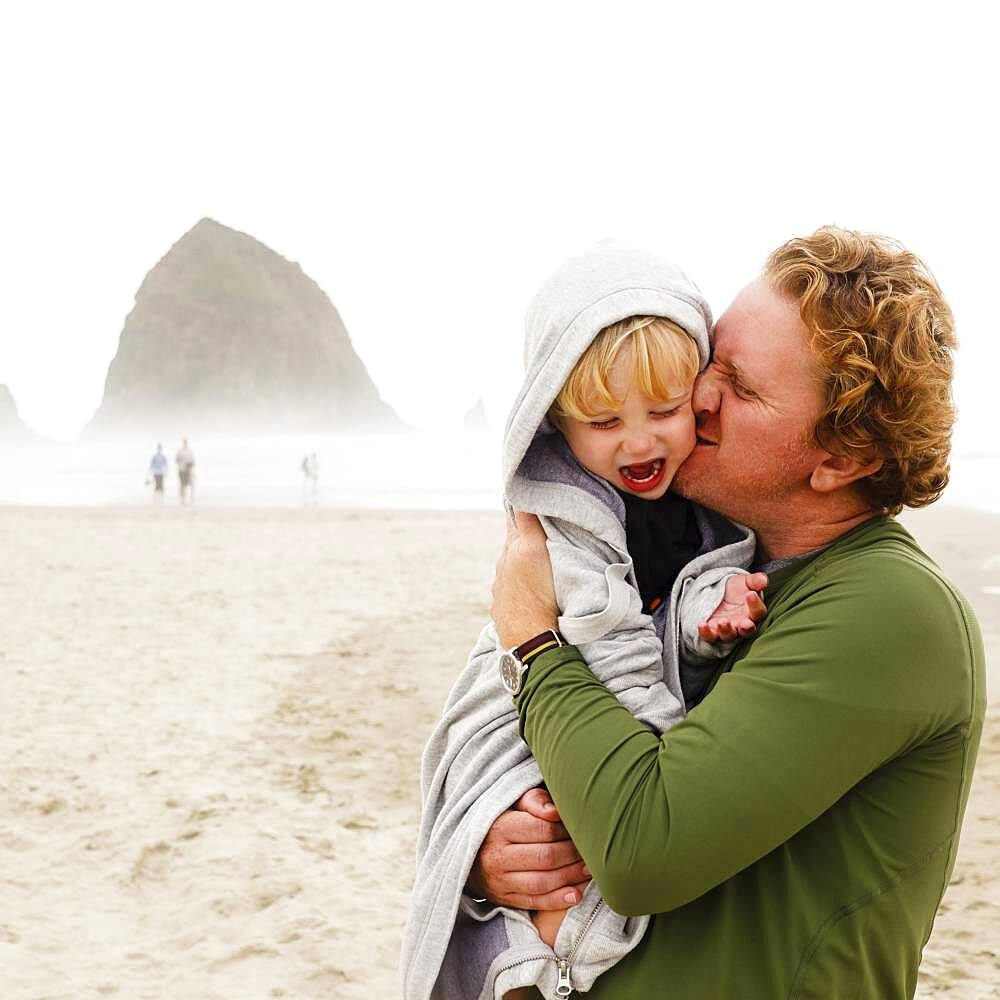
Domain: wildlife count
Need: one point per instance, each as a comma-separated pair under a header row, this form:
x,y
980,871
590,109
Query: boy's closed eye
x,y
668,411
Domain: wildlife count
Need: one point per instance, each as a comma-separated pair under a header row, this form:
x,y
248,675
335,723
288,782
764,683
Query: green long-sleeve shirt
x,y
794,835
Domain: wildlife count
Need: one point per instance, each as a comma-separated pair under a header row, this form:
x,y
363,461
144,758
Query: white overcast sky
x,y
429,163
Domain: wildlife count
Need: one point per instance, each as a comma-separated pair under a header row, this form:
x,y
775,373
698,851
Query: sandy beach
x,y
212,726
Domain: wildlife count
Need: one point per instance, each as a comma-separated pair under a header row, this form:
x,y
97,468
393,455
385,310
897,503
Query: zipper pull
x,y
565,985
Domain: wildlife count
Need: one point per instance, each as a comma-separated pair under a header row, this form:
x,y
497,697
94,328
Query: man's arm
x,y
835,686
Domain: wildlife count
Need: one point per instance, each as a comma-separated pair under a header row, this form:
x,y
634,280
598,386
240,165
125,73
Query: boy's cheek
x,y
690,439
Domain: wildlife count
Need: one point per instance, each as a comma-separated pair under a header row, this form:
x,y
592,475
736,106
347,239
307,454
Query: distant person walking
x,y
310,479
185,471
157,472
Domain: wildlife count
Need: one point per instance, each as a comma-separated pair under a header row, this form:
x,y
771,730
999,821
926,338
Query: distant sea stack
x,y
475,419
227,336
13,430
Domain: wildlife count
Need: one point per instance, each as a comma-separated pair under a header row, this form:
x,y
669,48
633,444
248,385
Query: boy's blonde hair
x,y
664,358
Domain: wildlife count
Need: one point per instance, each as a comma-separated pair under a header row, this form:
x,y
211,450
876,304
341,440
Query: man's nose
x,y
706,395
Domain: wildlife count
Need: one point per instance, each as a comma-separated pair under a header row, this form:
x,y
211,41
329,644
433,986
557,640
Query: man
x,y
185,472
792,836
310,479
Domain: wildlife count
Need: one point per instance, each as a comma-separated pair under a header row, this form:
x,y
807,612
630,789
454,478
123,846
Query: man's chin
x,y
691,473
682,487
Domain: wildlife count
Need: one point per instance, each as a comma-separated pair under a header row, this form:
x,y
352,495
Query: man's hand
x,y
740,610
527,859
524,598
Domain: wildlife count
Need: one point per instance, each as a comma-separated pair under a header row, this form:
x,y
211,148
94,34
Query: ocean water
x,y
456,471
421,470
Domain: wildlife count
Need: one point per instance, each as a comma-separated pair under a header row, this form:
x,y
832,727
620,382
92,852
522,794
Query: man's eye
x,y
741,390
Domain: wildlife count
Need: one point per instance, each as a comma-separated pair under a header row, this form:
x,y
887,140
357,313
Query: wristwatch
x,y
514,662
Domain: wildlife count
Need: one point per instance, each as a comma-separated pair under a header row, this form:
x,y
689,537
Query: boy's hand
x,y
740,610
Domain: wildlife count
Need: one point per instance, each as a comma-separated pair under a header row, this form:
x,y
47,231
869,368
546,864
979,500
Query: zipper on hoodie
x,y
565,985
548,956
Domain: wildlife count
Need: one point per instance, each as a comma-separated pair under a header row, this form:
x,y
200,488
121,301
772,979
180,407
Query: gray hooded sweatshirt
x,y
475,764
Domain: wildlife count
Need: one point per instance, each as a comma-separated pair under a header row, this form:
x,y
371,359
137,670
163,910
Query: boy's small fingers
x,y
757,581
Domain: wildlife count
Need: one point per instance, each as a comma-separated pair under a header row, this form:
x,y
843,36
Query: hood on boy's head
x,y
608,283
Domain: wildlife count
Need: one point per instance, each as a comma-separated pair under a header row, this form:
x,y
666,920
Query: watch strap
x,y
541,643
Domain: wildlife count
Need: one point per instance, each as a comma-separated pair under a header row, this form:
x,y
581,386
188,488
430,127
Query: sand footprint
x,y
152,863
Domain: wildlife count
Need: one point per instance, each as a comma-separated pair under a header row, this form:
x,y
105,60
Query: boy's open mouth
x,y
643,477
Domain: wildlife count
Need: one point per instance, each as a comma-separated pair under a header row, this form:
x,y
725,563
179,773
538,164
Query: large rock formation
x,y
13,430
228,336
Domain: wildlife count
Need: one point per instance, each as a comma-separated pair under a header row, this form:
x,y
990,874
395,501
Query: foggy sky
x,y
429,164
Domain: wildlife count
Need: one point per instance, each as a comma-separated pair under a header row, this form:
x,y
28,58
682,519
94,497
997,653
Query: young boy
x,y
614,341
625,414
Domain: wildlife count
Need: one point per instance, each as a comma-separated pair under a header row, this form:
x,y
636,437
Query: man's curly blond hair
x,y
883,337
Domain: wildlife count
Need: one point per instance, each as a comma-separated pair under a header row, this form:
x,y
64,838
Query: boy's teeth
x,y
638,473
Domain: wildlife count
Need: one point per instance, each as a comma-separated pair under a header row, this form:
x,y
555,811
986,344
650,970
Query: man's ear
x,y
837,471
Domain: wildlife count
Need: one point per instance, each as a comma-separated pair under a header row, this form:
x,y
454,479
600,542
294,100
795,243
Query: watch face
x,y
510,673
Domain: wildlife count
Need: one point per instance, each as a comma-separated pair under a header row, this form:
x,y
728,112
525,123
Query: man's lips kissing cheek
x,y
703,436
